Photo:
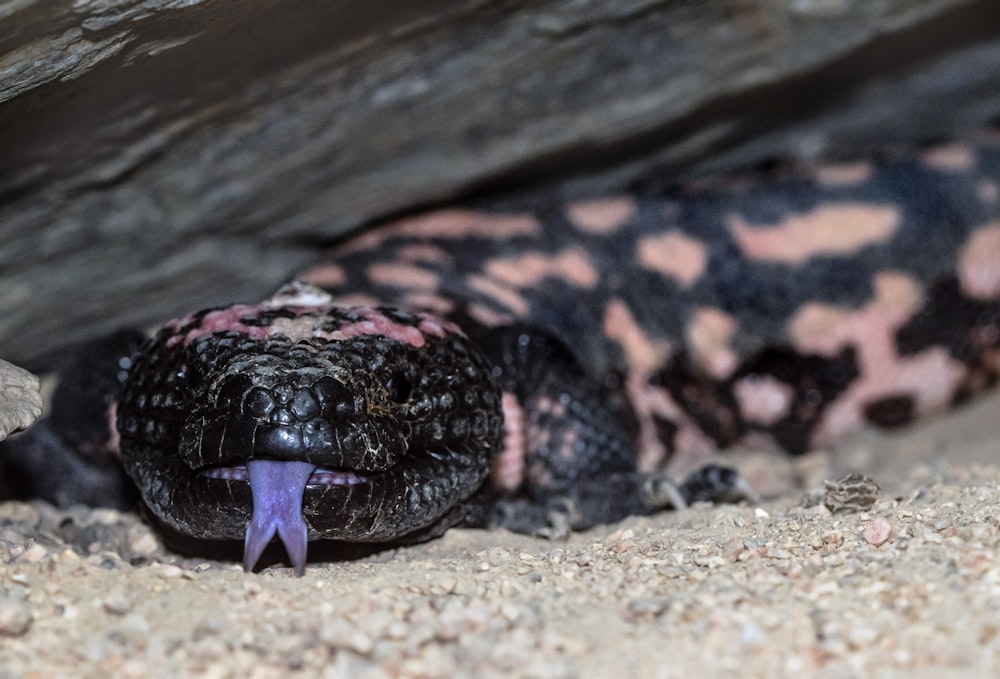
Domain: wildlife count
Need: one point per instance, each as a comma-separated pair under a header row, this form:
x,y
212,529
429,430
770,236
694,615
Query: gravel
x,y
908,586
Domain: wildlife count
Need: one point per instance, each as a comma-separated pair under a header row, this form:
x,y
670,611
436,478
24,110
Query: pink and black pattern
x,y
538,367
356,424
781,310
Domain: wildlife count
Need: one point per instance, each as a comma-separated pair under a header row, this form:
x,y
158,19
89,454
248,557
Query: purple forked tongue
x,y
277,489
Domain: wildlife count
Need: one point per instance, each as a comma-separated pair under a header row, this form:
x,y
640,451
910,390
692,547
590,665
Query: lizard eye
x,y
399,387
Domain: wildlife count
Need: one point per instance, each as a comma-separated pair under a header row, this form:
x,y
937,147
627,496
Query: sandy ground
x,y
910,587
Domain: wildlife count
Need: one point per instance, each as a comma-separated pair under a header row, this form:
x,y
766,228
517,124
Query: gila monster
x,y
537,369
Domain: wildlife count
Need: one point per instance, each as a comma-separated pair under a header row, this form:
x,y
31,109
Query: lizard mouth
x,y
278,488
299,423
321,476
288,500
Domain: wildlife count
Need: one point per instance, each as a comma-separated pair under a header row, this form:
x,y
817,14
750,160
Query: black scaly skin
x,y
429,419
599,482
420,425
936,211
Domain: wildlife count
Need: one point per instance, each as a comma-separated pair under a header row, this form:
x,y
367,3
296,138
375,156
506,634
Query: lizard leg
x,y
569,460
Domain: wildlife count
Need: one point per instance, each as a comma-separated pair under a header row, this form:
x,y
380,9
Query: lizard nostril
x,y
333,396
399,388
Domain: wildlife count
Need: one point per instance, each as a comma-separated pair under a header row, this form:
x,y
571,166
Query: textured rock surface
x,y
20,399
158,156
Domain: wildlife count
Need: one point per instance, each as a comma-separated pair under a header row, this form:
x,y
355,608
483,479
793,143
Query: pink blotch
x,y
221,320
508,469
377,323
763,400
326,275
510,299
643,353
957,157
451,224
438,327
690,447
528,270
979,263
709,334
673,254
828,229
603,216
834,175
931,377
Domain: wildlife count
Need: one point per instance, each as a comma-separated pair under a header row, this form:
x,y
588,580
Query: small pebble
x,y
877,531
117,603
169,571
34,553
19,512
645,607
15,616
852,492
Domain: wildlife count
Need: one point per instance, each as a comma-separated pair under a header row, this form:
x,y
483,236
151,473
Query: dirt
x,y
908,587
